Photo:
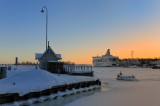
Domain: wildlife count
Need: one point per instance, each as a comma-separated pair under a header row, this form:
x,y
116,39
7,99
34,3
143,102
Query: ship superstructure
x,y
106,60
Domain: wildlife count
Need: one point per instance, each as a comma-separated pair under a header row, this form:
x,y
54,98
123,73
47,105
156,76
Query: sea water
x,y
144,92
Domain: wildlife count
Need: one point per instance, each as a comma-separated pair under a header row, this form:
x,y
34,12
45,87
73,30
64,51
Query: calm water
x,y
144,92
61,101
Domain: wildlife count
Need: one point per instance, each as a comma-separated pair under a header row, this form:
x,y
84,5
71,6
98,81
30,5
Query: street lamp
x,y
42,11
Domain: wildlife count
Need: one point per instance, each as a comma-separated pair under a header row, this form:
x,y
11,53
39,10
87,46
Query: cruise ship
x,y
106,60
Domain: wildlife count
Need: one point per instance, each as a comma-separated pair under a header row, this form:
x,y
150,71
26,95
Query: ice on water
x,y
144,92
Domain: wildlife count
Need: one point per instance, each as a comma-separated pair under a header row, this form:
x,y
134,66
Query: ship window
x,y
99,60
115,59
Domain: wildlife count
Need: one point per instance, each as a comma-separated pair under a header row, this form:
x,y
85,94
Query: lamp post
x,y
42,11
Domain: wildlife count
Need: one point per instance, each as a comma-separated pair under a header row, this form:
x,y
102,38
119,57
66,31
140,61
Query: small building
x,y
3,72
45,58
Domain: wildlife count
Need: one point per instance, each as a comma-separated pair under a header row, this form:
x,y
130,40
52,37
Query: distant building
x,y
130,62
48,56
143,62
16,61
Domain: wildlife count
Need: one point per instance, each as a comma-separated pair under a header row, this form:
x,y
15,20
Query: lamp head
x,y
42,11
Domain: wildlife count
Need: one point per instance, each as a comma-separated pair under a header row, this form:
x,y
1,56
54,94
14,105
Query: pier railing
x,y
79,69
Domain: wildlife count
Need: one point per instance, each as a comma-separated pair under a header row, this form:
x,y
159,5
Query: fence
x,y
85,70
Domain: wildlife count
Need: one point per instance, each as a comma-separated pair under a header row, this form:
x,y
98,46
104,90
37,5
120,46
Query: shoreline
x,y
52,93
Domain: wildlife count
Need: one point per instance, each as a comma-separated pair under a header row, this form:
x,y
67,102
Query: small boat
x,y
125,77
156,67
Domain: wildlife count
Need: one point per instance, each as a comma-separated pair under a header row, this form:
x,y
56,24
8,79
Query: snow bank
x,y
28,79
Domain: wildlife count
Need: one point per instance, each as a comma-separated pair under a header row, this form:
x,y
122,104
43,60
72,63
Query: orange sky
x,y
145,44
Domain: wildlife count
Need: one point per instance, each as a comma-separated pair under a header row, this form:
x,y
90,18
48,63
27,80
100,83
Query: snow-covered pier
x,y
52,93
28,83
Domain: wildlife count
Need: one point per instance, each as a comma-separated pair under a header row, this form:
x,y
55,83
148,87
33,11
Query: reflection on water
x,y
151,79
61,101
104,87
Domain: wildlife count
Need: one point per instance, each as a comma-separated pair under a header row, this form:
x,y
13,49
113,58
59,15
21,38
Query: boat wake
x,y
151,79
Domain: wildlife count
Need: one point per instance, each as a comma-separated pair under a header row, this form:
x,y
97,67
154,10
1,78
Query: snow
x,y
38,55
2,65
59,56
27,79
144,92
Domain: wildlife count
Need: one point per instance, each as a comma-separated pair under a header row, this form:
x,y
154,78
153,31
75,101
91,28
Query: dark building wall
x,y
56,67
3,72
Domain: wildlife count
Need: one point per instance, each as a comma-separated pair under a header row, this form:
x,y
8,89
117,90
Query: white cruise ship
x,y
106,60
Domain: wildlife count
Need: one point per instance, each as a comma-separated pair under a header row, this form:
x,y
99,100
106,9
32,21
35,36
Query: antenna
x,y
48,43
132,54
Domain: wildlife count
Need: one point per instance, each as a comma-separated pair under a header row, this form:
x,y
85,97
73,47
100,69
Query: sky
x,y
79,29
